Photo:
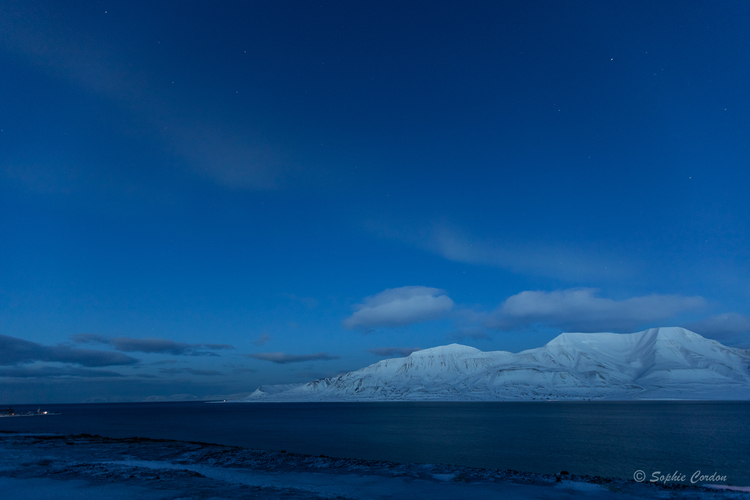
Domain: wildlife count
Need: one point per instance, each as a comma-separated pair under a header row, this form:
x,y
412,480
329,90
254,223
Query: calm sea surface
x,y
595,438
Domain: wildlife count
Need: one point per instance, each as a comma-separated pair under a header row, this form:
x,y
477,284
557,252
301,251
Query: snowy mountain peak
x,y
659,363
446,350
664,335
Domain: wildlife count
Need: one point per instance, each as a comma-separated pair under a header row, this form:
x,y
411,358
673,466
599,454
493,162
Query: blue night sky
x,y
199,198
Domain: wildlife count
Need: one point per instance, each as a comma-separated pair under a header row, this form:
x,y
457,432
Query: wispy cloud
x,y
190,371
89,338
393,352
164,362
215,347
400,307
262,339
543,258
15,351
238,159
244,370
151,345
580,309
308,302
282,358
55,372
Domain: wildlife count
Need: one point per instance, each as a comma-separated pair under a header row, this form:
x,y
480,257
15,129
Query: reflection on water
x,y
594,438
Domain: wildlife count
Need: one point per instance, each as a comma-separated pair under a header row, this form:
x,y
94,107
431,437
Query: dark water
x,y
595,438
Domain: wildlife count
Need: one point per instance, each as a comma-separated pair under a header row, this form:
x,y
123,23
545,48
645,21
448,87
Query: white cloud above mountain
x,y
401,306
581,309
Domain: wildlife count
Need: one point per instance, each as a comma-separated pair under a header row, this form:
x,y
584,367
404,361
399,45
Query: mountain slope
x,y
660,363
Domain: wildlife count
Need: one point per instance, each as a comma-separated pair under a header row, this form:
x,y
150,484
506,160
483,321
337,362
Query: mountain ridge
x,y
658,363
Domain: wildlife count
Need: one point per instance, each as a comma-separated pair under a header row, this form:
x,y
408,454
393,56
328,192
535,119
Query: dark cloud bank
x,y
151,345
282,358
16,351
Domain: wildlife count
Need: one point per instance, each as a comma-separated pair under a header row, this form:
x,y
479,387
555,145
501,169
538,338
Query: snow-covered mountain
x,y
660,363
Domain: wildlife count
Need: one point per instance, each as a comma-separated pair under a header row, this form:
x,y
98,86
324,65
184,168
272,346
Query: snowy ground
x,y
36,466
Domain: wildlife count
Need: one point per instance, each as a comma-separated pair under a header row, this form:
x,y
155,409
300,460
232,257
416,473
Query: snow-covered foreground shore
x,y
86,467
